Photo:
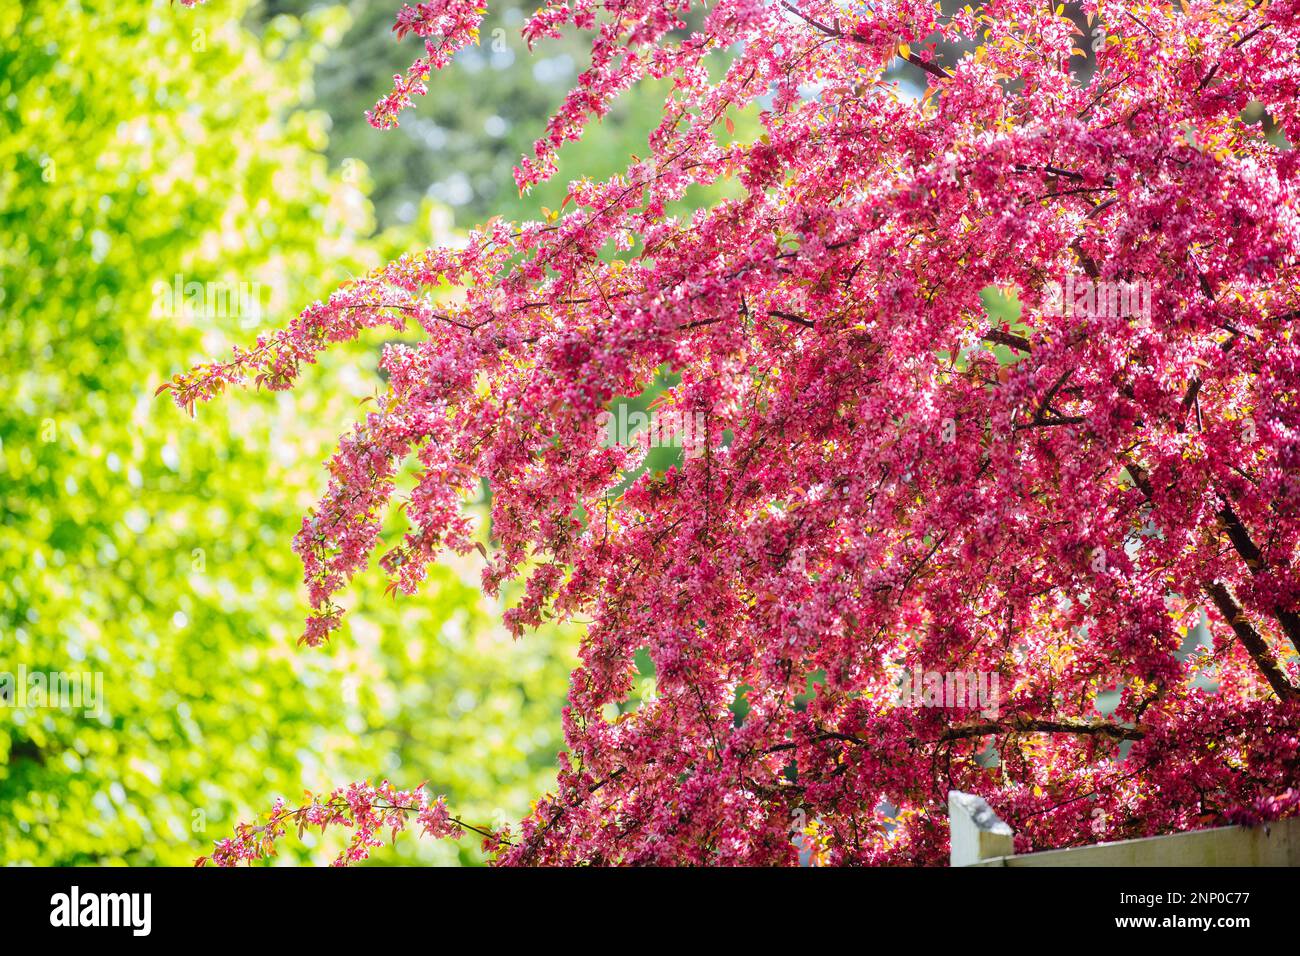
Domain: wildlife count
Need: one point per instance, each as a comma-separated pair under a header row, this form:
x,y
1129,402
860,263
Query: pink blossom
x,y
889,478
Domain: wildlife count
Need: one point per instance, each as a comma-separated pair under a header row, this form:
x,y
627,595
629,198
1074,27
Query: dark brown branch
x,y
826,29
1232,523
1022,725
933,69
791,317
1009,339
1050,421
1215,69
1085,260
1254,559
1251,639
1037,726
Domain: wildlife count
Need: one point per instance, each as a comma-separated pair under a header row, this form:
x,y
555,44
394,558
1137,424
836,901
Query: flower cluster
x,y
446,26
1100,507
368,811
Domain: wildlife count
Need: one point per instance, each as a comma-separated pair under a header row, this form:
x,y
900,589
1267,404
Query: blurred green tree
x,y
162,196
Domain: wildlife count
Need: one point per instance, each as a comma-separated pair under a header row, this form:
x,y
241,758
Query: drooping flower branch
x,y
367,811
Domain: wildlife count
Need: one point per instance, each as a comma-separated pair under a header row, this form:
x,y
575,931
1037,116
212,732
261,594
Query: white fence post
x,y
977,832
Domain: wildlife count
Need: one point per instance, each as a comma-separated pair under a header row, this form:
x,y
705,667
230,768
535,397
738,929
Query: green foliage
x,y
139,142
460,143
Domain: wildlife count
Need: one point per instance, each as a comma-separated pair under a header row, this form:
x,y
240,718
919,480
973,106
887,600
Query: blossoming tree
x,y
887,480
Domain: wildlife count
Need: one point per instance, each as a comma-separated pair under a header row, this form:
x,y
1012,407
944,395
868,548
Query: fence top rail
x,y
980,838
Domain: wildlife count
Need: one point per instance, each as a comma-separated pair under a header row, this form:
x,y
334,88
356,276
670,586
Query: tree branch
x,y
1037,726
1009,339
1251,639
